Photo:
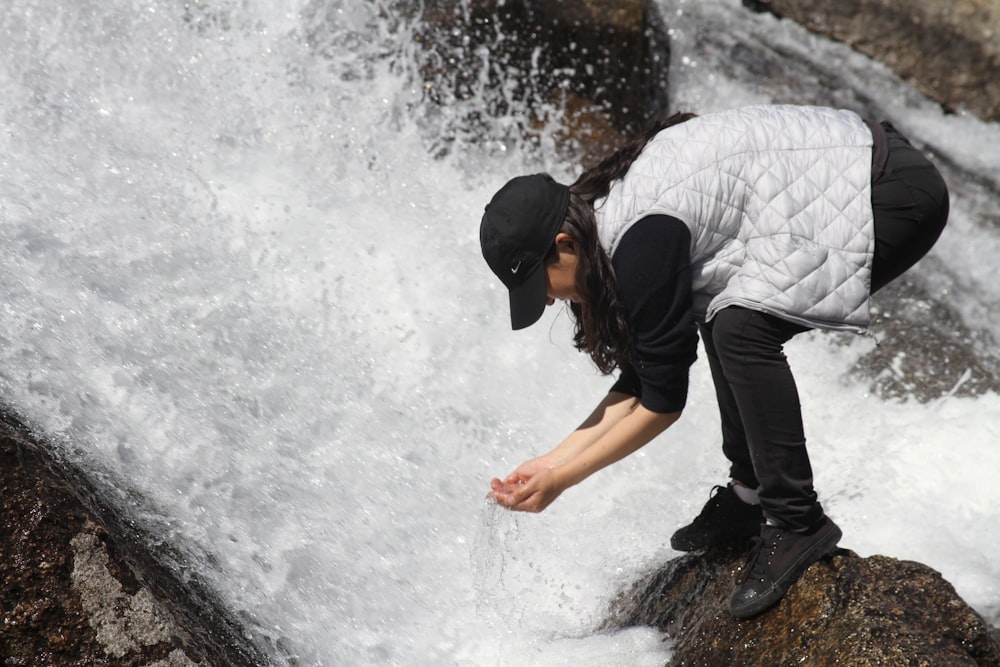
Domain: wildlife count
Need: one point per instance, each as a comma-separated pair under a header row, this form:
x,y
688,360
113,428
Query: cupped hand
x,y
530,488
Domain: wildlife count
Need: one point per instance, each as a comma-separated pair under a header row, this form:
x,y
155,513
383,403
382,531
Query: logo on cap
x,y
517,266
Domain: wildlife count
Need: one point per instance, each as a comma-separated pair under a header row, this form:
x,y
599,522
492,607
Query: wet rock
x,y
123,623
947,49
602,66
845,610
72,595
46,620
925,351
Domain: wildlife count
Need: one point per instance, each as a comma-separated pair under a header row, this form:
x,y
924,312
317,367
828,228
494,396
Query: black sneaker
x,y
724,519
777,559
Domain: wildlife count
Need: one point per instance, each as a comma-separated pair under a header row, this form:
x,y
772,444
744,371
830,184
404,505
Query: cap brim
x,y
527,301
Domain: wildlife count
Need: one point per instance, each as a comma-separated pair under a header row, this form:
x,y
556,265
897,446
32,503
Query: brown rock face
x,y
81,588
947,49
846,610
604,64
46,618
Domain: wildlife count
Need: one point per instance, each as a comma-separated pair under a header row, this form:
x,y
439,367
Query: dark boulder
x,y
845,610
81,587
602,65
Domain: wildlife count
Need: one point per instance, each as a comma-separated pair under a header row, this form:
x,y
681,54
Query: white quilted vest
x,y
778,201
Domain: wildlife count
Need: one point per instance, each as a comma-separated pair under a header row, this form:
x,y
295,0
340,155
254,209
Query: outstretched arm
x,y
616,428
653,269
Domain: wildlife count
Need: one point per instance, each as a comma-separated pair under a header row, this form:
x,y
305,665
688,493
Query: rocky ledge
x,y
845,610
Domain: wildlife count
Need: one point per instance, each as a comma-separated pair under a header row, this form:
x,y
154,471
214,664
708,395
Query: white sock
x,y
746,494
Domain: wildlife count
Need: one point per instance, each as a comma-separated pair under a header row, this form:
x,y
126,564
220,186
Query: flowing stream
x,y
243,288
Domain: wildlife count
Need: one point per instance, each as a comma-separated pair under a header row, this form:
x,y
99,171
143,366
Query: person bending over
x,y
748,226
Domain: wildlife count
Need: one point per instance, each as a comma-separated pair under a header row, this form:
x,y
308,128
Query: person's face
x,y
561,274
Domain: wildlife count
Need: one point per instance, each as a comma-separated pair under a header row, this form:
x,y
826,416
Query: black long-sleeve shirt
x,y
653,267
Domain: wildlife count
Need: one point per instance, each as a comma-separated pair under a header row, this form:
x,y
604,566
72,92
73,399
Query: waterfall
x,y
243,289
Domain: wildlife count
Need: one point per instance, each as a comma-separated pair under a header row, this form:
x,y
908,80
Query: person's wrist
x,y
566,476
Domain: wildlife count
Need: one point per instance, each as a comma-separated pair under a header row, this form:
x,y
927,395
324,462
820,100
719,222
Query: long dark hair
x,y
601,323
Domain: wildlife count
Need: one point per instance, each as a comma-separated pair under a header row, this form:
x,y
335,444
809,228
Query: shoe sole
x,y
821,549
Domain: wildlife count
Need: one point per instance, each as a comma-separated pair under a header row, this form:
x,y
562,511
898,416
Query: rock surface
x,y
845,610
64,602
76,593
602,65
948,50
925,351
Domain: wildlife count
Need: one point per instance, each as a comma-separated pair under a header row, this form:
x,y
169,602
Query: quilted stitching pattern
x,y
778,200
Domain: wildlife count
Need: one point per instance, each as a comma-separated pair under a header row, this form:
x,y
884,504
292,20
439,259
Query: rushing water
x,y
242,282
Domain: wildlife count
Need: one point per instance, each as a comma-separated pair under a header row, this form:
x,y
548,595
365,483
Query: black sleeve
x,y
653,268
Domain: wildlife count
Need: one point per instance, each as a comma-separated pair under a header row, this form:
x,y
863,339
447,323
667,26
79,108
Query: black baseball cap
x,y
517,232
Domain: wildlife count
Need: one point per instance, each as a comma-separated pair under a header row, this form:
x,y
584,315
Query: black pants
x,y
762,431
